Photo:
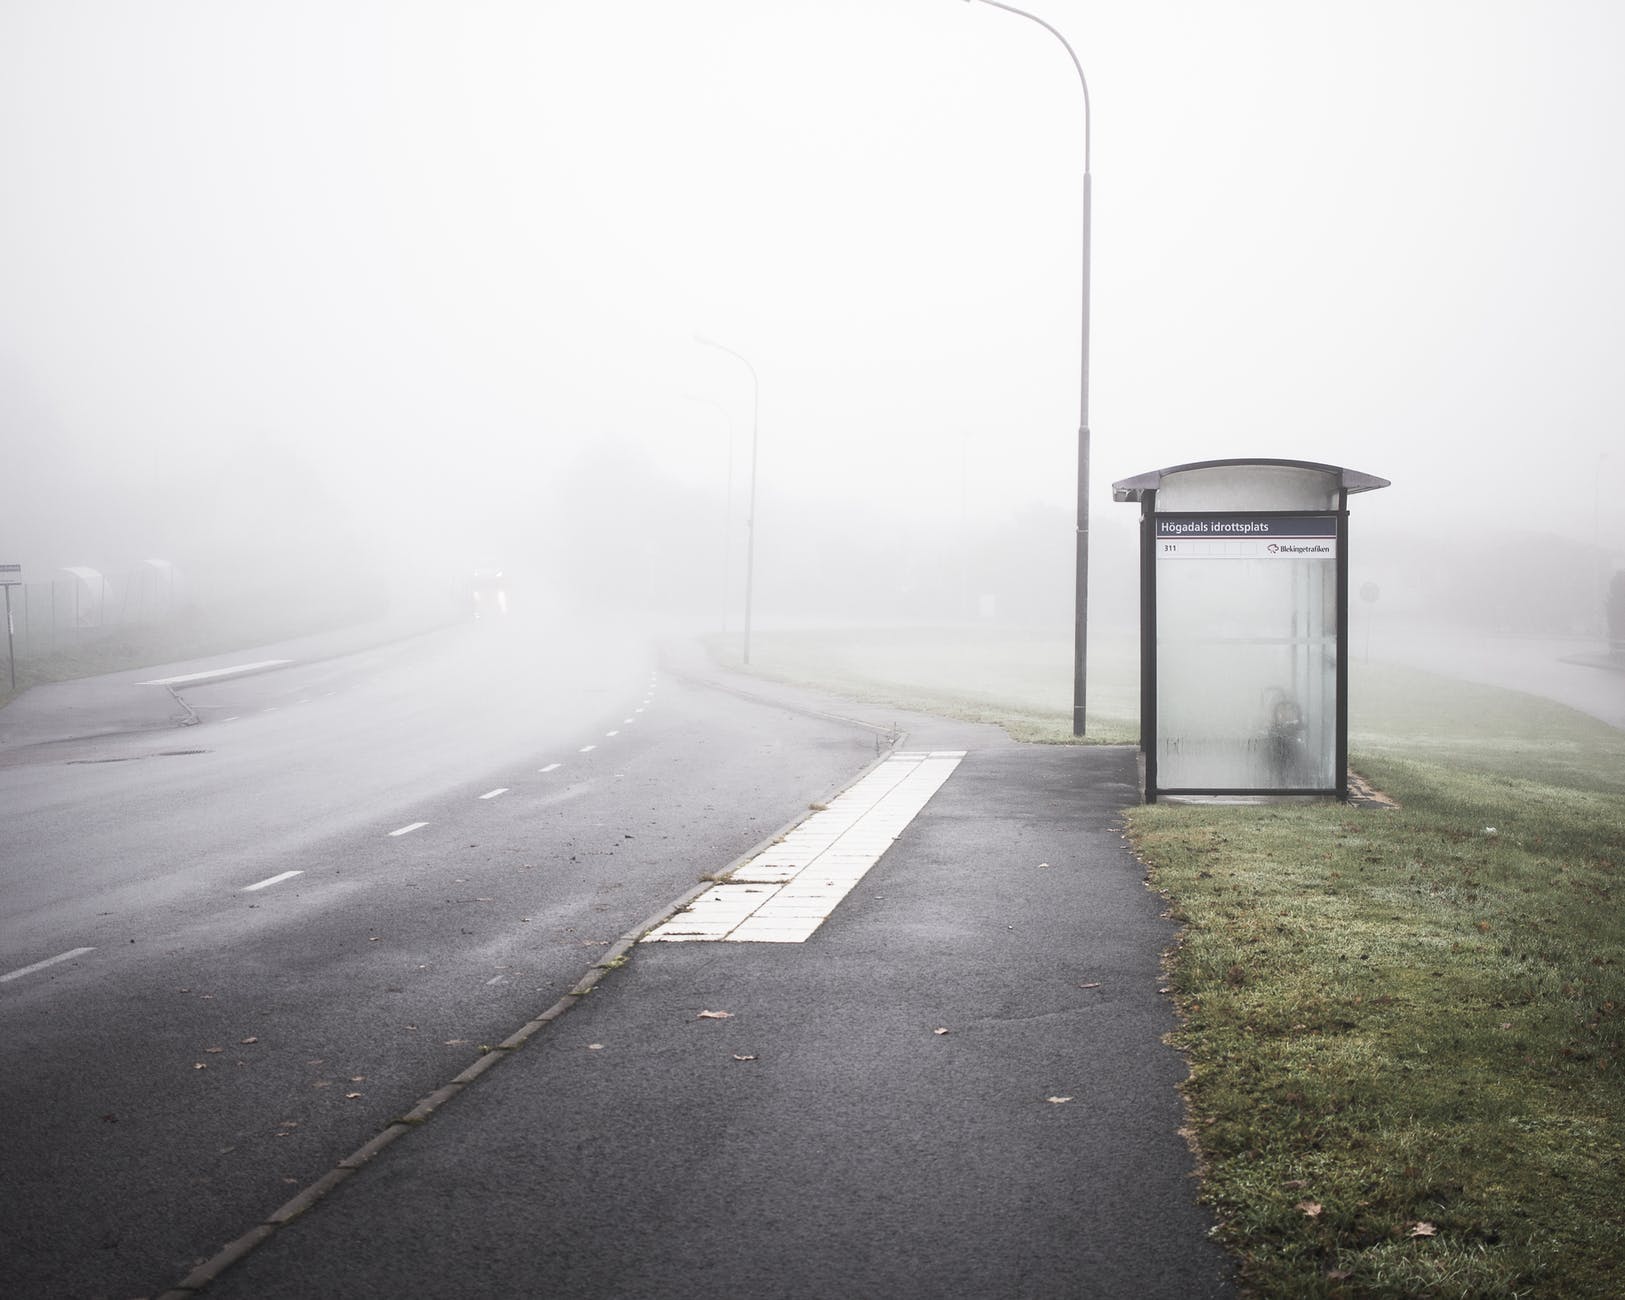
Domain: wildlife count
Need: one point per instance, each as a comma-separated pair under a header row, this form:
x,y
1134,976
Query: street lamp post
x,y
1080,633
750,517
727,503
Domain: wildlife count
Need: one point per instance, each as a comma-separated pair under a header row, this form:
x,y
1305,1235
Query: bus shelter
x,y
1244,626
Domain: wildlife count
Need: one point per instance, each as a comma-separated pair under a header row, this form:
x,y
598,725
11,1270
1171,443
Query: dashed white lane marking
x,y
41,965
274,880
409,828
787,890
492,794
551,767
608,734
213,673
586,749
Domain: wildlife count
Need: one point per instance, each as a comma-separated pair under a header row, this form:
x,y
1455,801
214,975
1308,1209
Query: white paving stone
x,y
784,893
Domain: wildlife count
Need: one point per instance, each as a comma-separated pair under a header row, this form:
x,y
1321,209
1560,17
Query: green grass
x,y
1405,1027
1017,679
1415,1015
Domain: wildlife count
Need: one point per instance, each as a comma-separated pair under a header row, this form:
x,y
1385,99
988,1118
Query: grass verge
x,y
1018,679
1405,1026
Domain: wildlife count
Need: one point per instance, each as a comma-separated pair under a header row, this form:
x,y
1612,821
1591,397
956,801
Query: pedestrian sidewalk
x,y
955,1085
135,700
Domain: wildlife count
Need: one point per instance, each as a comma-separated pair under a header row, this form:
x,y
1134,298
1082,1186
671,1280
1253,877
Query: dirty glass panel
x,y
1246,674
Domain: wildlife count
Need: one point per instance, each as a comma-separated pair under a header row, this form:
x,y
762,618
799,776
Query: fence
x,y
81,606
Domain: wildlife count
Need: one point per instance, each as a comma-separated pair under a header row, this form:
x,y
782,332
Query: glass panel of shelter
x,y
1247,674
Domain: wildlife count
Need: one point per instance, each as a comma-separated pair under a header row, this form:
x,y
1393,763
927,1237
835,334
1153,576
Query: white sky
x,y
426,245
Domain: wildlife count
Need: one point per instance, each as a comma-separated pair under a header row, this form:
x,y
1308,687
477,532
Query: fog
x,y
368,294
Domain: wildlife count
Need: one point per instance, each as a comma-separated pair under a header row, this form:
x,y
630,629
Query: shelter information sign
x,y
1264,536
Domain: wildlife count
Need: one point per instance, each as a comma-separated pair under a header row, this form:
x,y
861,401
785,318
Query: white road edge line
x,y
274,880
214,674
409,828
41,965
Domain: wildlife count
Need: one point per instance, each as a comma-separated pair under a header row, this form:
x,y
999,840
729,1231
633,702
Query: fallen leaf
x,y
1095,985
1423,1228
738,1057
351,1096
358,1078
595,1047
214,1049
939,1031
1056,1101
1311,1208
1339,1275
248,1040
714,1015
1042,865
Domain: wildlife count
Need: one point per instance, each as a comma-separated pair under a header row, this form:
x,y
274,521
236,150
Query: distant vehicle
x,y
490,594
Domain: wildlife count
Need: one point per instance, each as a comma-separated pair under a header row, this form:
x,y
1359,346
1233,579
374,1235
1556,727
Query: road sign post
x,y
11,575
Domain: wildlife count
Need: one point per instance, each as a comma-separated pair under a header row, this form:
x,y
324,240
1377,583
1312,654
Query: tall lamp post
x,y
1080,633
750,517
728,500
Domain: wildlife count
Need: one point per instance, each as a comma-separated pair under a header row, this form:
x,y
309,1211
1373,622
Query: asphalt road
x,y
223,1029
956,1086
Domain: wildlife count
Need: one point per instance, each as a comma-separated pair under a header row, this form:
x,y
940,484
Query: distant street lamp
x,y
728,500
1080,635
750,517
